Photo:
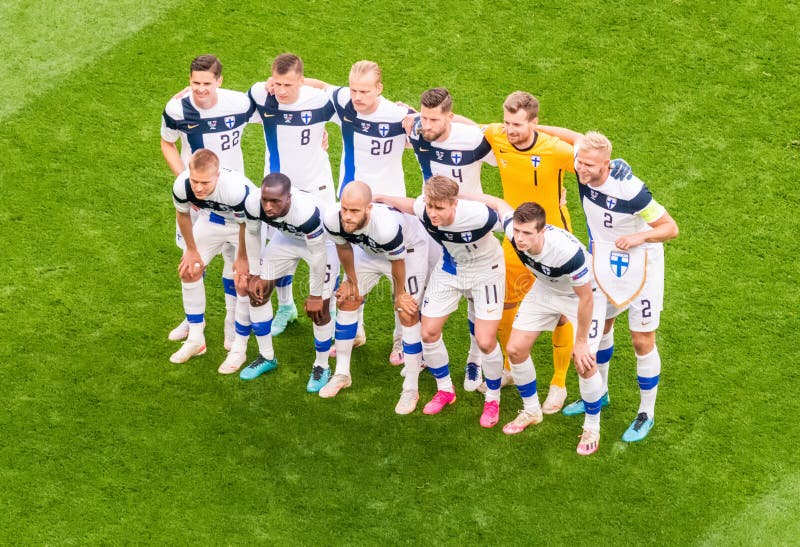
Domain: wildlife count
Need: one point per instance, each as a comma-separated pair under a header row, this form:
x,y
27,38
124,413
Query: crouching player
x,y
374,241
471,266
564,286
299,234
222,193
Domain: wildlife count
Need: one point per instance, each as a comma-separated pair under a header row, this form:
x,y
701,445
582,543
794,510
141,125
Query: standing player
x,y
297,221
374,241
471,266
455,150
293,116
214,118
627,228
373,138
565,286
532,167
221,192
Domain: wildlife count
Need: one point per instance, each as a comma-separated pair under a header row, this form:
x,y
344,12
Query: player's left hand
x,y
620,169
629,242
269,86
348,293
582,357
563,201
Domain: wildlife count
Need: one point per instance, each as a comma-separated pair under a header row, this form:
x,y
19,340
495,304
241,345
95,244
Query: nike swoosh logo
x,y
192,126
348,119
424,149
269,115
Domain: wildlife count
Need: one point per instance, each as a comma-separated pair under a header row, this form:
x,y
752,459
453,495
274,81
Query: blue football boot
x,y
639,429
258,367
284,316
576,408
319,377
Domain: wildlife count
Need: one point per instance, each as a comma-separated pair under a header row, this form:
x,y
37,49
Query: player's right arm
x,y
581,354
566,135
402,204
172,156
503,209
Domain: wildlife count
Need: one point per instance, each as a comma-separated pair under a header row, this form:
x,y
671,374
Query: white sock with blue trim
x,y
604,352
412,355
648,371
323,339
346,327
437,361
591,393
493,372
283,288
242,324
194,306
261,318
524,375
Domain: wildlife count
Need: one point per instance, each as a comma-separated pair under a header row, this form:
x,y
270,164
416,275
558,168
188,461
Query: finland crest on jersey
x,y
619,274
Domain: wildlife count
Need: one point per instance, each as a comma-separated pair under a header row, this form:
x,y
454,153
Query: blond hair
x,y
439,188
522,100
204,160
594,140
362,68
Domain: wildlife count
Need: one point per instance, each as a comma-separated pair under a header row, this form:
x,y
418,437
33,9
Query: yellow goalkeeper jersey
x,y
535,174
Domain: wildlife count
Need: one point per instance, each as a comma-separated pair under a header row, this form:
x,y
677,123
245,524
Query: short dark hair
x,y
531,212
437,97
277,180
286,62
207,63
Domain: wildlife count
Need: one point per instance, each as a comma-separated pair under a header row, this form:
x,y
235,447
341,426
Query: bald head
x,y
355,206
357,194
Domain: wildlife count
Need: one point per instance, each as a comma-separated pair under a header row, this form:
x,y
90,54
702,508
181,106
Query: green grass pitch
x,y
102,440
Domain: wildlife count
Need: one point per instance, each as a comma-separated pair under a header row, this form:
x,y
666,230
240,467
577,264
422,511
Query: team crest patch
x,y
305,115
536,160
466,236
230,121
593,193
212,124
619,262
455,157
439,155
619,274
288,118
448,235
365,126
610,202
383,129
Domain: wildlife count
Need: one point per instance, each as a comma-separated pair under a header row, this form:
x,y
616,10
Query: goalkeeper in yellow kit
x,y
532,167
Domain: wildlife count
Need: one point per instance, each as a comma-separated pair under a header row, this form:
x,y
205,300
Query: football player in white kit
x,y
298,234
471,266
455,150
622,215
624,222
374,241
208,187
293,116
373,141
206,116
565,286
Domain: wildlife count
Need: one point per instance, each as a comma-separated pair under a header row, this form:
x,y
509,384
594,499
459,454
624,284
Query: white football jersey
x,y
218,128
458,157
303,222
469,244
618,208
225,203
563,263
293,136
372,144
388,234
